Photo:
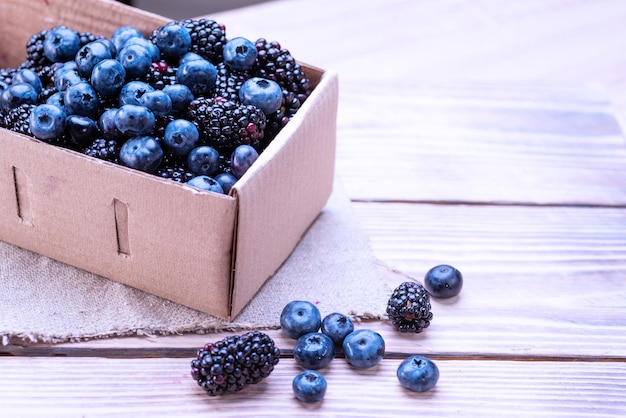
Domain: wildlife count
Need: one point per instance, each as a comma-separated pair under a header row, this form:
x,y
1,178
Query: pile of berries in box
x,y
184,103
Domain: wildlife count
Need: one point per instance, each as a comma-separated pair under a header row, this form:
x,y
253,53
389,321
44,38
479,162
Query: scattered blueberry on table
x,y
309,386
443,281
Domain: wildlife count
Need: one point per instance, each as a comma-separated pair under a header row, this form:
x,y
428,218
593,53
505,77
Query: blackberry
x,y
87,37
276,63
161,74
230,364
160,124
177,173
228,82
409,307
34,51
225,164
104,149
207,38
6,75
224,124
16,119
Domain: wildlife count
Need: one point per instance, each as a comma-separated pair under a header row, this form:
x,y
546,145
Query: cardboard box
x,y
206,251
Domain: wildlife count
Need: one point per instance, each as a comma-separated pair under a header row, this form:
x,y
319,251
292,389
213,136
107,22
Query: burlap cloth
x,y
42,300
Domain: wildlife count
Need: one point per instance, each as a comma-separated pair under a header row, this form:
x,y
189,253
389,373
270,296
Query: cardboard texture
x,y
206,251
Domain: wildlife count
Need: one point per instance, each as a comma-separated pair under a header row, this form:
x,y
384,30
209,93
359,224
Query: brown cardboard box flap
x,y
292,180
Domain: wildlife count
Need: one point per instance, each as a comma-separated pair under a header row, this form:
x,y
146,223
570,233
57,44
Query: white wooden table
x,y
484,134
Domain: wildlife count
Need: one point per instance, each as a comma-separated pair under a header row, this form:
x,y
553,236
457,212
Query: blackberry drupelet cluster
x,y
34,51
408,307
228,82
225,124
161,74
17,120
230,364
277,64
104,149
207,38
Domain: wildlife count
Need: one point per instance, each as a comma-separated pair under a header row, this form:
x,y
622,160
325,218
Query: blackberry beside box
x,y
208,251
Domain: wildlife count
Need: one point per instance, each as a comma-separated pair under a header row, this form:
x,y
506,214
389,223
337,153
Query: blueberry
x,y
314,351
109,45
199,75
364,348
81,99
142,153
189,56
443,281
418,374
47,121
134,120
61,67
205,183
66,78
18,94
81,129
155,54
300,317
336,325
157,101
180,95
132,91
61,44
89,55
239,54
203,160
262,93
181,137
242,159
56,99
108,77
106,123
172,39
136,60
122,34
309,386
226,180
27,76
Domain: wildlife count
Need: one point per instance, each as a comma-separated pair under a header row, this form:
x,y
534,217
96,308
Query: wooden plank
x,y
489,144
69,387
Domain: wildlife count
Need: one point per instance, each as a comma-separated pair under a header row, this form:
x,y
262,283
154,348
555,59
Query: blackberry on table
x,y
230,364
207,38
225,125
409,307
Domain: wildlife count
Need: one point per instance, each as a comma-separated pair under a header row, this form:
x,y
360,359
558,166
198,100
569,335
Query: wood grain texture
x,y
435,144
484,134
75,387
